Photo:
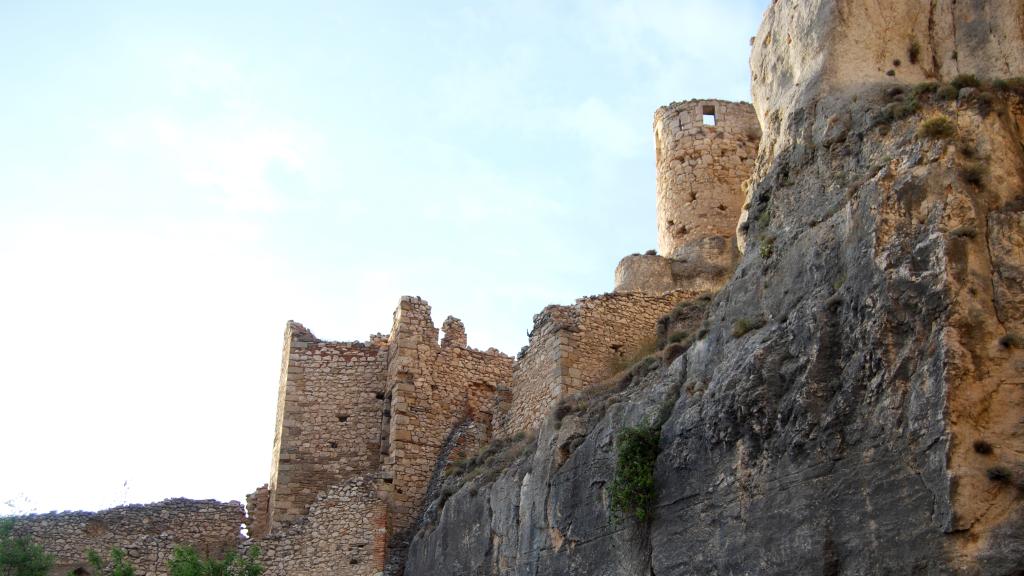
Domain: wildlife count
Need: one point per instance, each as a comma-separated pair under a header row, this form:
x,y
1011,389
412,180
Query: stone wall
x,y
148,533
572,347
344,533
330,409
701,169
432,387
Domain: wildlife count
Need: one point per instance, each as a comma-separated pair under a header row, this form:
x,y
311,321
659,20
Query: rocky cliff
x,y
854,403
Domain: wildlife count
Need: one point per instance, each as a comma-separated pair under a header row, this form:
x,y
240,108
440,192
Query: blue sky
x,y
177,180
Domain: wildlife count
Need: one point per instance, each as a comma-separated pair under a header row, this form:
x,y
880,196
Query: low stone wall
x,y
343,534
572,347
148,533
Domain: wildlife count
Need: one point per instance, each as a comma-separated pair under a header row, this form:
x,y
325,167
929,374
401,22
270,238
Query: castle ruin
x,y
364,429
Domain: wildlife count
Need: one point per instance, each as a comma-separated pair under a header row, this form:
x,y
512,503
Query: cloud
x,y
231,156
606,129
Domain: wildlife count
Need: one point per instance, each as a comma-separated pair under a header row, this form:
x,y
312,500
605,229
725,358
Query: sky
x,y
179,179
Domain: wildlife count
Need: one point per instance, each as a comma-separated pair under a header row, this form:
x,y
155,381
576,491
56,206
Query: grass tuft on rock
x,y
937,126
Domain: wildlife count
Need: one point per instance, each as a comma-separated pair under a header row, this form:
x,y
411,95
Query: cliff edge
x,y
854,403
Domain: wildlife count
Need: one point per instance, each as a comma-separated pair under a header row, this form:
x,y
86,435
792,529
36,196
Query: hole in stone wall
x,y
342,418
709,116
353,561
332,444
379,395
722,207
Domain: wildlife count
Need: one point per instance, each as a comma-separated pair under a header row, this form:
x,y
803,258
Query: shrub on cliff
x,y
186,562
19,556
937,126
632,491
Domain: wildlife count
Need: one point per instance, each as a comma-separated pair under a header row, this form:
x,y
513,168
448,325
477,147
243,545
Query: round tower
x,y
705,150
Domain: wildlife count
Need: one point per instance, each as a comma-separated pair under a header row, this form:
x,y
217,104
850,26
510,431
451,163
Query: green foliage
x,y
965,81
947,92
767,247
186,562
924,88
119,565
937,126
677,337
19,556
914,51
632,491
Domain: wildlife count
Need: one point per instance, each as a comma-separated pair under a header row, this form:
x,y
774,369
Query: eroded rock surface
x,y
856,405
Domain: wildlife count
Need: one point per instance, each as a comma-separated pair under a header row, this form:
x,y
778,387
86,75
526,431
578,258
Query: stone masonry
x,y
364,429
359,430
147,533
705,151
701,169
330,408
572,347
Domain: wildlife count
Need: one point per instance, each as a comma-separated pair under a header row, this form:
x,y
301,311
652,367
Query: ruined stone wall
x,y
432,387
344,533
148,533
701,169
572,347
330,411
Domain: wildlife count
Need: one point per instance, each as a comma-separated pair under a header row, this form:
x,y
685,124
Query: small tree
x,y
119,565
19,556
186,562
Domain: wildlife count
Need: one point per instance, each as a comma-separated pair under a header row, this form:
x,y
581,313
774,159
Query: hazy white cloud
x,y
607,130
230,156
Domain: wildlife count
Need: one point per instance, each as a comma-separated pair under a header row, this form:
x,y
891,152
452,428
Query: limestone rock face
x,y
856,404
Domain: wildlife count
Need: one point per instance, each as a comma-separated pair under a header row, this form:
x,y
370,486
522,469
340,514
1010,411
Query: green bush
x,y
937,126
947,92
186,562
965,81
117,566
632,491
914,51
19,556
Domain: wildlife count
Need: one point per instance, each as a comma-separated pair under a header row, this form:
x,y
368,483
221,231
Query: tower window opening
x,y
709,116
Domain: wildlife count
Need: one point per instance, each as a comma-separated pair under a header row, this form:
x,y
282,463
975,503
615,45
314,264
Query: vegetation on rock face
x,y
186,562
744,325
632,491
119,565
19,556
937,126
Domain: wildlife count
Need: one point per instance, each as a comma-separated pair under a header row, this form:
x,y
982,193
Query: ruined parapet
x,y
257,507
148,533
454,332
702,266
705,150
432,387
330,406
574,347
